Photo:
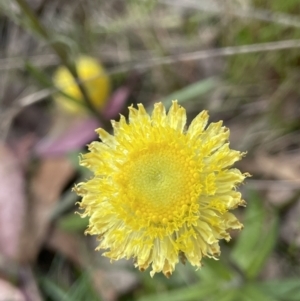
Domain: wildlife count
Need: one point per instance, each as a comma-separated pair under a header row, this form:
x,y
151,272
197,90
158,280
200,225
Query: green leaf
x,y
82,289
252,292
53,290
224,294
192,293
266,245
73,223
216,270
257,239
285,289
192,91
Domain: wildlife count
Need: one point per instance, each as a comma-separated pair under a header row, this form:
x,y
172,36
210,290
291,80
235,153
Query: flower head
x,y
95,81
161,192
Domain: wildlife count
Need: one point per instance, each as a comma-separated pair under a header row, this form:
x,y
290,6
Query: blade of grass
x,y
53,290
82,289
197,89
266,246
249,237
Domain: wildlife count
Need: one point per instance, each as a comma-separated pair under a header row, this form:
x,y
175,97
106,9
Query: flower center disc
x,y
157,179
161,185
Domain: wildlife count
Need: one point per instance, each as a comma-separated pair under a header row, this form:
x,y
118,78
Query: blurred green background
x,y
239,59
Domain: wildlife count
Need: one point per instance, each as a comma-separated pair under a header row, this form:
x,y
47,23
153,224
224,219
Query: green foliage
x,y
287,289
81,290
257,240
73,223
191,293
256,67
286,6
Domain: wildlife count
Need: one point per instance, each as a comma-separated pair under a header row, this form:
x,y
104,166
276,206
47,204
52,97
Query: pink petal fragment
x,y
9,292
73,139
117,102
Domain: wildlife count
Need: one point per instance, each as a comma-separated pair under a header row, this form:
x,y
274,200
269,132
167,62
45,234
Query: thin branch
x,y
219,52
193,56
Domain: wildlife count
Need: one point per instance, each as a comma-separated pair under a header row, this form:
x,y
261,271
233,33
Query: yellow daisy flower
x,y
95,81
161,192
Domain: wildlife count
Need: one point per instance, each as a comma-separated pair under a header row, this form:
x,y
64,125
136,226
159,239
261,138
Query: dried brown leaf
x,y
279,175
290,228
282,166
45,190
66,243
12,203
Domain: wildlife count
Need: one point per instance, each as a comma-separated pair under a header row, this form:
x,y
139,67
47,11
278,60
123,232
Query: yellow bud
x,y
95,81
